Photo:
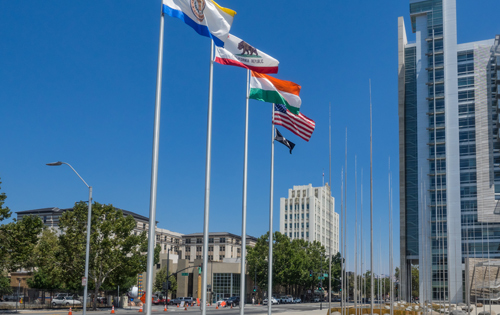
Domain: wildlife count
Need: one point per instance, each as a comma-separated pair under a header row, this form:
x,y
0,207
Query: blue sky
x,y
78,85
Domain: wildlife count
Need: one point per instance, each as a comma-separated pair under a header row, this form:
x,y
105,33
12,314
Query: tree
x,y
4,214
414,281
113,247
292,263
4,211
161,277
47,276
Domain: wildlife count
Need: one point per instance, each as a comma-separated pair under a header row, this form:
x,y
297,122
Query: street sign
x,y
84,281
325,275
321,278
185,274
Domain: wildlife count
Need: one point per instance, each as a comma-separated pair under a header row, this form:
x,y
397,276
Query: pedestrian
x,y
253,301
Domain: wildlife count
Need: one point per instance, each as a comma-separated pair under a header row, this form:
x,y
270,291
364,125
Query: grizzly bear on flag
x,y
247,49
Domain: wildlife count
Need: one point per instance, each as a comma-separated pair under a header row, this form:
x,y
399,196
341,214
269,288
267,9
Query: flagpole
x,y
154,173
342,261
371,203
207,183
346,283
244,211
270,260
356,236
330,213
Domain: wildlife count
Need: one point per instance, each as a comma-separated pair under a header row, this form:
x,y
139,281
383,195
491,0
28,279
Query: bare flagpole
x,y
356,236
371,202
154,174
244,206
207,185
346,283
330,213
342,261
390,240
270,262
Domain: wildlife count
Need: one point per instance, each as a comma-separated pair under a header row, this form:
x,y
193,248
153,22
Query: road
x,y
306,308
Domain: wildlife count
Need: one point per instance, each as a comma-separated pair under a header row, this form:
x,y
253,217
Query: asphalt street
x,y
312,308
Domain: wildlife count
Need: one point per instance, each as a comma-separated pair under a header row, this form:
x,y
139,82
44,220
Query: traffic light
x,y
310,273
200,268
254,288
320,289
169,285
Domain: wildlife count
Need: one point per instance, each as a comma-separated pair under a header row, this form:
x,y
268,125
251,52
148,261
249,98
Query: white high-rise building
x,y
308,213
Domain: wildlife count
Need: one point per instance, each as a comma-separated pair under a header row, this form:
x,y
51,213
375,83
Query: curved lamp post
x,y
89,215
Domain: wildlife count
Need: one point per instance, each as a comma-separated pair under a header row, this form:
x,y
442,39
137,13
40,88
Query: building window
x,y
44,219
144,226
286,207
307,225
164,247
198,256
158,266
307,215
286,216
176,241
285,225
222,240
307,206
302,206
221,257
188,241
307,234
188,257
238,250
302,215
290,234
302,225
199,241
188,249
198,248
302,234
222,249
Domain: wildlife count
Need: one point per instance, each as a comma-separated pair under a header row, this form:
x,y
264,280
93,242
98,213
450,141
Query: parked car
x,y
233,301
178,300
316,299
286,299
273,301
65,300
297,300
102,300
160,300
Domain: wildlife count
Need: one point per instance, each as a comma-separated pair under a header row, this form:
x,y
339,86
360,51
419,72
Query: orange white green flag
x,y
271,90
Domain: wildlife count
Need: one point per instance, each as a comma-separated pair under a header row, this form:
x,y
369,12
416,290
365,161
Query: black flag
x,y
282,139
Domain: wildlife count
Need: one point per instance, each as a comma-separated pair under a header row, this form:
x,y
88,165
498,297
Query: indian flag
x,y
271,90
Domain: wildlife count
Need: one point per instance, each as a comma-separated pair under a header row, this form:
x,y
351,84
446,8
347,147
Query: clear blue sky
x,y
78,85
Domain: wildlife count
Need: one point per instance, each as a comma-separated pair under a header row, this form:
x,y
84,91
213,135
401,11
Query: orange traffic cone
x,y
231,305
70,313
140,309
177,305
185,308
217,307
165,308
113,309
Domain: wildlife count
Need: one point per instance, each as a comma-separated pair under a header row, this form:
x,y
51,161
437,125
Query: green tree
x,y
414,282
4,214
4,211
47,275
161,277
20,239
113,247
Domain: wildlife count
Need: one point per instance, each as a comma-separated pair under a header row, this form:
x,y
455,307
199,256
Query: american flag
x,y
298,124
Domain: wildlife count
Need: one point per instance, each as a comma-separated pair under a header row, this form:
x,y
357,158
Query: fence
x,y
48,299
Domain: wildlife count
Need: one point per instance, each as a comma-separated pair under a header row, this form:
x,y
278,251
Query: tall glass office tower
x,y
449,151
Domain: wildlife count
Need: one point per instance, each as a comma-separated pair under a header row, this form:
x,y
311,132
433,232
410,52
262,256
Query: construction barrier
x,y
113,309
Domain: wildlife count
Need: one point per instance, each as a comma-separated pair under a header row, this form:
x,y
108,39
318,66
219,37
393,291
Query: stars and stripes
x,y
298,124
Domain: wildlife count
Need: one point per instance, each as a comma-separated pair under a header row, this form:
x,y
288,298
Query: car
x,y
179,300
233,301
316,299
297,300
65,300
102,300
160,300
273,301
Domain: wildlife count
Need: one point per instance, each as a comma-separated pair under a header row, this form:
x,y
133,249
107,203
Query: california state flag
x,y
271,90
237,52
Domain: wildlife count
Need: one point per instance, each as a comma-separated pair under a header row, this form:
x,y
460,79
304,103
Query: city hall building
x,y
449,151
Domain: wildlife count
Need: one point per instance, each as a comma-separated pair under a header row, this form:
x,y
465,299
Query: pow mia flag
x,y
282,139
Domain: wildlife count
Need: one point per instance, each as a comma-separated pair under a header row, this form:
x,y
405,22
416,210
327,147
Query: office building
x,y
308,213
449,151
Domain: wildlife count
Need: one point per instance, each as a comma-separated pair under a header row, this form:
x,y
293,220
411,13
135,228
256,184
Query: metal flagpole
x,y
371,203
207,184
270,262
154,174
390,241
342,279
244,211
362,276
346,283
356,236
330,212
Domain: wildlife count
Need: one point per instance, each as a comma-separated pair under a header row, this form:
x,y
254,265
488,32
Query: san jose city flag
x,y
268,89
237,52
206,17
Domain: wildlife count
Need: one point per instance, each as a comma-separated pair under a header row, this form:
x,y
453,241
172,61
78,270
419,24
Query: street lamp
x,y
89,214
